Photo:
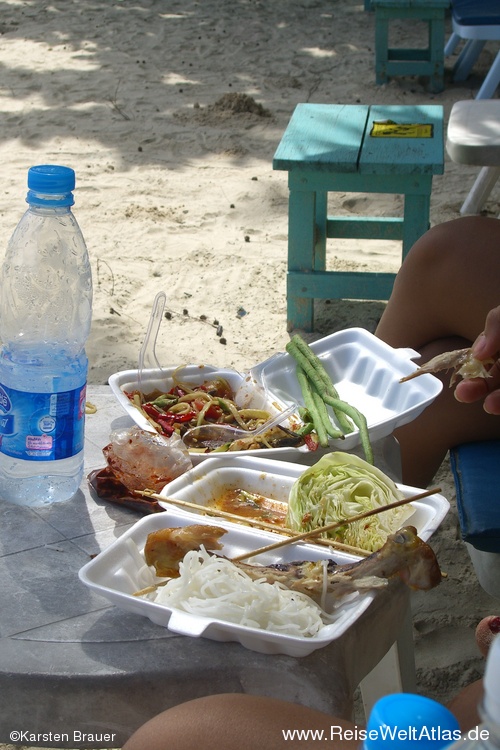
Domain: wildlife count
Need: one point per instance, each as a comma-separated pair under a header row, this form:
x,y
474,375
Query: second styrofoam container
x,y
274,480
120,570
366,373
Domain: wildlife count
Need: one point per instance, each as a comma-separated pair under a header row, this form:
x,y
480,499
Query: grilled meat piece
x,y
404,554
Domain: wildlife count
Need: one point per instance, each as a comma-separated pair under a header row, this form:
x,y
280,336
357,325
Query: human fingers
x,y
486,630
469,391
492,403
487,343
476,389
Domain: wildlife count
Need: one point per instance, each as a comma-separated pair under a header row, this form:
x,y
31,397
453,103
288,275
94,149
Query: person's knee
x,y
440,244
454,243
226,721
446,256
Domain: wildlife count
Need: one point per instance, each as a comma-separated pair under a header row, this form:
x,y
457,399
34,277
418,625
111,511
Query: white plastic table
x,y
77,672
473,137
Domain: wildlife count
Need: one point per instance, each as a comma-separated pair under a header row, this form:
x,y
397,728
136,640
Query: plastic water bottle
x,y
405,720
45,317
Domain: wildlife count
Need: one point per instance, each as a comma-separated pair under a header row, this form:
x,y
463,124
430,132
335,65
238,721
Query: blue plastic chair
x,y
476,22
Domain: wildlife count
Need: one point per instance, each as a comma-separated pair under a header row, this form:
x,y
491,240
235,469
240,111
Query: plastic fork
x,y
147,354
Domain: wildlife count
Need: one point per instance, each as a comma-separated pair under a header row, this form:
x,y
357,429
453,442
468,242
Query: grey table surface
x,y
77,672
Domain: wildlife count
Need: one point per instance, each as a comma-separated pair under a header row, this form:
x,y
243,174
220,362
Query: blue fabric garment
x,y
476,471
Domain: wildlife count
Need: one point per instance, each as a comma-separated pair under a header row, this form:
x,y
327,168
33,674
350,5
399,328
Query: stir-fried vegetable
x,y
188,405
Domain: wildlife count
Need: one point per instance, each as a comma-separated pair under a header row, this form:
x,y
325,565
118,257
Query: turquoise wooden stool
x,y
392,61
330,148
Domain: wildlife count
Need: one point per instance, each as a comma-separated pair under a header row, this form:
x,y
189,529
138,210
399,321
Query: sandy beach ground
x,y
170,113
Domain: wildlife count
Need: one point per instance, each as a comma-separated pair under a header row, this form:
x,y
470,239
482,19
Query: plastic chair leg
x,y
480,191
490,83
451,44
467,58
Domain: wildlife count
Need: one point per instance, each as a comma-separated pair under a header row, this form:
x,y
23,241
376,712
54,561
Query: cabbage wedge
x,y
341,485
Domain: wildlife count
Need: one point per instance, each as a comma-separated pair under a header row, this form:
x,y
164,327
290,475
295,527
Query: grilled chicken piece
x,y
165,548
404,554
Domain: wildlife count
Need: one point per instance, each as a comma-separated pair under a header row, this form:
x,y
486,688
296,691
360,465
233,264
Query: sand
x,y
170,113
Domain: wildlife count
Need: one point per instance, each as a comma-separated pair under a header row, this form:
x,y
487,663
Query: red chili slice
x,y
213,412
152,411
179,418
311,442
167,427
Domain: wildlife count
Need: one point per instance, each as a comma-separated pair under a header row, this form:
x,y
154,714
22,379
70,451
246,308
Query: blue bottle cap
x,y
50,185
405,720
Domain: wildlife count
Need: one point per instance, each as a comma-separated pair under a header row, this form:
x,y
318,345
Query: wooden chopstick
x,y
336,525
255,522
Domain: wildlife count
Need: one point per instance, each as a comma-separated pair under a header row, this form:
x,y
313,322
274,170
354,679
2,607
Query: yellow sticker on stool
x,y
390,129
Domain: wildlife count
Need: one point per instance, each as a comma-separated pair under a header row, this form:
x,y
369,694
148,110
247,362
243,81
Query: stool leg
x,y
416,219
381,47
490,83
436,42
302,218
484,184
321,210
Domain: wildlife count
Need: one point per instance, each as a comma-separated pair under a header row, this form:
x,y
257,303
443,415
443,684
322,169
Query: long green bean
x,y
308,370
358,419
307,395
315,362
320,405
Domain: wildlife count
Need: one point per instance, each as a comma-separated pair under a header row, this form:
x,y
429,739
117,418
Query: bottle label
x,y
41,426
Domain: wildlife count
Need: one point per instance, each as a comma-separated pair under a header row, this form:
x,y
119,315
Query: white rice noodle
x,y
213,587
324,587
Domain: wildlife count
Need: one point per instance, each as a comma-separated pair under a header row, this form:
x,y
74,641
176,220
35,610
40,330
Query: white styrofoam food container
x,y
365,370
274,480
128,380
120,570
248,395
366,373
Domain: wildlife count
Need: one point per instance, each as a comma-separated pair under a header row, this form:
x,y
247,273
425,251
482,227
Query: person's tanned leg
x,y
442,295
240,722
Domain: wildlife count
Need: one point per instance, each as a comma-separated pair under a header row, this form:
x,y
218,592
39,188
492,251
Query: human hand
x,y
486,346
